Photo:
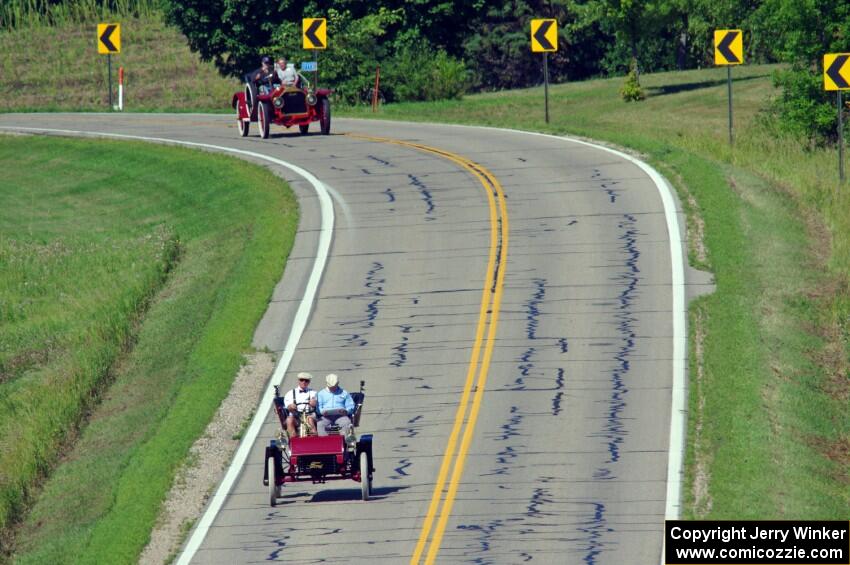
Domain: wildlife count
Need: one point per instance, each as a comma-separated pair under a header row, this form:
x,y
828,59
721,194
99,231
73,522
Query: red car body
x,y
318,459
285,106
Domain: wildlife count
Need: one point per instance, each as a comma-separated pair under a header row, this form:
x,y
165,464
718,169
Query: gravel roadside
x,y
207,462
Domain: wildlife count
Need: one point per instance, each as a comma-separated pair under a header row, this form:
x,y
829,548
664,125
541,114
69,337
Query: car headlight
x,y
311,99
278,102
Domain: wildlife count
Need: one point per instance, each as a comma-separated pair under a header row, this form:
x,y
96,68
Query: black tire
x,y
325,120
273,488
265,112
304,129
365,480
242,124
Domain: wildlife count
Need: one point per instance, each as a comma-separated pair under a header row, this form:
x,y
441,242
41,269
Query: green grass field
x,y
129,298
768,427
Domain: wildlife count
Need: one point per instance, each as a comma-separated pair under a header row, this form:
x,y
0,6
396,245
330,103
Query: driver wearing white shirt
x,y
301,403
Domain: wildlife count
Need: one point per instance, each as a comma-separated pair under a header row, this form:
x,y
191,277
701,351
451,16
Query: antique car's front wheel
x,y
326,116
304,129
243,125
265,112
273,488
365,481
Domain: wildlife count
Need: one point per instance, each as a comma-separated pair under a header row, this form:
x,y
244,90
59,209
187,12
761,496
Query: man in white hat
x,y
335,406
301,403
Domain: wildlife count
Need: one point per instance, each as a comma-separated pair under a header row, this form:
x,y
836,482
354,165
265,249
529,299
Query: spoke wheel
x,y
241,124
265,112
273,488
326,116
365,476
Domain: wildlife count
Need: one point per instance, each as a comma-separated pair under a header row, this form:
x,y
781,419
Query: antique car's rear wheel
x,y
304,129
325,122
251,100
365,480
265,112
273,488
242,124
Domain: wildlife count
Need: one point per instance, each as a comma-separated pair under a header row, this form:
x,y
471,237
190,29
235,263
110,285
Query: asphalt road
x,y
567,462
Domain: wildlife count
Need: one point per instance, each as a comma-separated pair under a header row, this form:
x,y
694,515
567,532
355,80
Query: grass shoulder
x,y
98,485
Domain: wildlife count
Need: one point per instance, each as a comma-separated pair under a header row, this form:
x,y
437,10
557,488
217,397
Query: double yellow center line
x,y
454,457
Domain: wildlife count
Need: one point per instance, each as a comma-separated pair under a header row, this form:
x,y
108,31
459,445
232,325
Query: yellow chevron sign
x,y
836,71
314,33
544,36
108,38
728,47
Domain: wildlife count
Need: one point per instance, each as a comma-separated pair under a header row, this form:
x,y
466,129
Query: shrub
x,y
419,73
804,108
631,90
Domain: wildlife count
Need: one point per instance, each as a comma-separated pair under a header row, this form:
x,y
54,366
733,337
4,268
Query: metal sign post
x,y
840,138
375,91
729,89
544,38
109,65
546,84
836,76
728,51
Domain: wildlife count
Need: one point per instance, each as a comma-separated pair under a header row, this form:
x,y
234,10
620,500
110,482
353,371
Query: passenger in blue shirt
x,y
335,406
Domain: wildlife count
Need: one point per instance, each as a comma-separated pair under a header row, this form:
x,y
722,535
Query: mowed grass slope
x,y
769,430
132,279
50,68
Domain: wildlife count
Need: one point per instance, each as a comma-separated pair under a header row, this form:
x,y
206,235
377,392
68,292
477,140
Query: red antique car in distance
x,y
283,105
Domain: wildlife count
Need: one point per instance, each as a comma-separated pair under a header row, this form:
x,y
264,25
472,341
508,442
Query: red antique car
x,y
318,459
296,105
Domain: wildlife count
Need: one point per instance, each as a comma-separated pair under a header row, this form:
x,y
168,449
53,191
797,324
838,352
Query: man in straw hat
x,y
301,403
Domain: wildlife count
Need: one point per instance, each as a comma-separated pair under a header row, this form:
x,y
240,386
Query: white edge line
x,y
298,326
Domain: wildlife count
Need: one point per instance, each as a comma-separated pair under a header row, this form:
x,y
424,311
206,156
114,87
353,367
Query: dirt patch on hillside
x,y
207,461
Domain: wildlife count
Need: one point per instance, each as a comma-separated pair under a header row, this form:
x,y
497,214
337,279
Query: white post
x,y
121,89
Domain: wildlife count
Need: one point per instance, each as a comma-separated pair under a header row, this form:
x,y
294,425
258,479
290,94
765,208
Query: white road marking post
x,y
120,89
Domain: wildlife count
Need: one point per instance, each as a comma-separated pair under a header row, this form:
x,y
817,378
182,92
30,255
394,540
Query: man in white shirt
x,y
301,403
289,77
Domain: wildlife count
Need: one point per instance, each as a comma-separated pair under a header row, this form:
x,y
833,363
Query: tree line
x,y
437,49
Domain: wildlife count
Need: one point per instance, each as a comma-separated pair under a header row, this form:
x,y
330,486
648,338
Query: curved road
x,y
567,460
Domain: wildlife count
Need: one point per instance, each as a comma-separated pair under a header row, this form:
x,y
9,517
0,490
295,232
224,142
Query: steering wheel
x,y
335,412
307,410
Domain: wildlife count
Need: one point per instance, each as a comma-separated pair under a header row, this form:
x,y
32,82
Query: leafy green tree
x,y
234,33
636,20
803,31
702,17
